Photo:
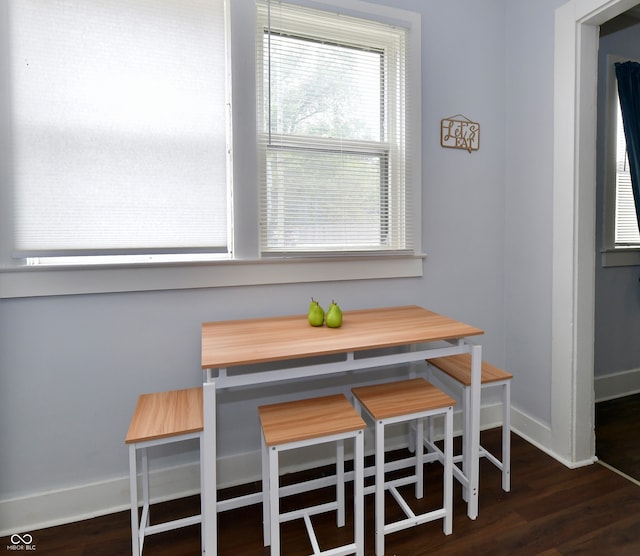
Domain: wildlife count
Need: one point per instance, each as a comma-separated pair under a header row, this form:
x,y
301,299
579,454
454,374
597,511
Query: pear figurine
x,y
334,315
315,316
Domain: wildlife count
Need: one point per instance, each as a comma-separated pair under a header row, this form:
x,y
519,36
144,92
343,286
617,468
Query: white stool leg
x,y
133,496
466,438
340,496
145,482
419,486
506,436
432,429
358,493
274,500
202,512
266,521
448,472
379,488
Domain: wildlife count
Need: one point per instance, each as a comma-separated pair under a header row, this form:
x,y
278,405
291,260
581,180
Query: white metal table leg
x,y
209,485
506,436
474,431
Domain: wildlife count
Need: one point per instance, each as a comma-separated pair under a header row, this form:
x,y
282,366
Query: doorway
x,y
575,77
617,294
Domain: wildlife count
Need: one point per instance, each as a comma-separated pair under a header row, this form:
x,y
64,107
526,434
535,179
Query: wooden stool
x,y
398,402
457,368
291,425
160,418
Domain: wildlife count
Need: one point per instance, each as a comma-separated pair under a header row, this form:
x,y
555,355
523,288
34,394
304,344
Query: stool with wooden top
x,y
160,418
412,400
308,422
456,372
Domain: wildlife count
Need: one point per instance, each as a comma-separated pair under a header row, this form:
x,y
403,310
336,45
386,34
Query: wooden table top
x,y
250,341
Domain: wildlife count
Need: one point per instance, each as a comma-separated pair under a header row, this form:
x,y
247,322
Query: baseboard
x,y
48,509
533,431
616,385
539,435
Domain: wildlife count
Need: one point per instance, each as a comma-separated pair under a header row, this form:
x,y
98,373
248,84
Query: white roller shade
x,y
119,126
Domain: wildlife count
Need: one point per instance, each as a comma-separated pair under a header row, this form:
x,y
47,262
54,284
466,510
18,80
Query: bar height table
x,y
234,343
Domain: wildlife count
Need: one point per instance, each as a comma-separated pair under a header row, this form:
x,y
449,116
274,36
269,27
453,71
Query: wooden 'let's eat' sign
x,y
458,132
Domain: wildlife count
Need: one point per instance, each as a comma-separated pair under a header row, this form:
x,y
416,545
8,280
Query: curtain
x,y
628,75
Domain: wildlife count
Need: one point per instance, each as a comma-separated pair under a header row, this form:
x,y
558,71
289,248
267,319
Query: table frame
x,y
218,378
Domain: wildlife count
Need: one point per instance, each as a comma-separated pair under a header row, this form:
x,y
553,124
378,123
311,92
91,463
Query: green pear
x,y
315,316
334,315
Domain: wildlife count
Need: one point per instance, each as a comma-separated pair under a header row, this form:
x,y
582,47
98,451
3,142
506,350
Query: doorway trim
x,y
574,183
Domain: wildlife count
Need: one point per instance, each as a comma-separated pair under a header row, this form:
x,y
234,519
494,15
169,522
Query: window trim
x,y
610,254
52,281
19,280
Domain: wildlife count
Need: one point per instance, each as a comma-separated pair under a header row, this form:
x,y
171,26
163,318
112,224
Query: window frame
x,y
247,267
611,254
388,44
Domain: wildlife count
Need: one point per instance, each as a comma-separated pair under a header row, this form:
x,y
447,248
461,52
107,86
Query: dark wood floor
x,y
551,510
618,434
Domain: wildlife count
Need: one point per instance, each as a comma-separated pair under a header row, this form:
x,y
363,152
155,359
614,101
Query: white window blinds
x,y
119,126
626,229
331,122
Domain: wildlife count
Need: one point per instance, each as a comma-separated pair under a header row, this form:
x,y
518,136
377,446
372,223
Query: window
x,y
331,120
621,239
626,228
119,134
138,157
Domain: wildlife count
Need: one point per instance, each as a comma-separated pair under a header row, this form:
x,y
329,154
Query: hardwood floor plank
x,y
551,510
621,540
573,519
617,424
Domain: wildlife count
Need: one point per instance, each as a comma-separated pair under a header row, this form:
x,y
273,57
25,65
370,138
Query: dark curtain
x,y
628,74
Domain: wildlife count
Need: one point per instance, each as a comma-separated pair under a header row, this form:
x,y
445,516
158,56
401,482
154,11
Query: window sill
x,y
620,257
46,281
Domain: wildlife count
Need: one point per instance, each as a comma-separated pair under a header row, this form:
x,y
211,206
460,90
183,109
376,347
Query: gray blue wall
x,y
71,367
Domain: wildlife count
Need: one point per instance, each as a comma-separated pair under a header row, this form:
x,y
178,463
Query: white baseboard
x,y
48,509
617,385
532,430
539,435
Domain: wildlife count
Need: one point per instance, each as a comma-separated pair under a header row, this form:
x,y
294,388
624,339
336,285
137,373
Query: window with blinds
x,y
626,221
119,126
331,111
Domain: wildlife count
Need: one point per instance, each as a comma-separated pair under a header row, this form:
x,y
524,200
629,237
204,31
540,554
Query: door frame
x,y
574,184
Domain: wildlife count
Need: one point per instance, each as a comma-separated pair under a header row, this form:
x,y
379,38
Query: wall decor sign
x,y
459,132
